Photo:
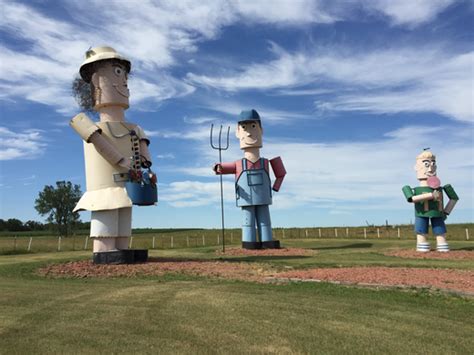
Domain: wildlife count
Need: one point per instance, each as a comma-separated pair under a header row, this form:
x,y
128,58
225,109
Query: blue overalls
x,y
254,194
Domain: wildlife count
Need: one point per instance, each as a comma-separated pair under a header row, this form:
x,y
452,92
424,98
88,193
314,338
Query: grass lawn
x,y
184,314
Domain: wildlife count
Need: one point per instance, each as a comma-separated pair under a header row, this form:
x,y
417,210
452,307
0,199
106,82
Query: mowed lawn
x,y
184,314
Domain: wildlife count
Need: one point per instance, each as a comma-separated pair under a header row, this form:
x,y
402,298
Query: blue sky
x,y
349,93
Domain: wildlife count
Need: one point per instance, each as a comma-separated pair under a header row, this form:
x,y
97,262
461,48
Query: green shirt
x,y
429,208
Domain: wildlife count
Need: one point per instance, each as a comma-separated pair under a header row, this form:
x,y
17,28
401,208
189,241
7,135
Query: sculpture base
x,y
126,256
251,245
272,244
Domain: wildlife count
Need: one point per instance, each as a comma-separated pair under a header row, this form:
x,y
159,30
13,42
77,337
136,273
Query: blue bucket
x,y
142,193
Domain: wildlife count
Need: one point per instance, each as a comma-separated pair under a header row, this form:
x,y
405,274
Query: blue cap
x,y
250,115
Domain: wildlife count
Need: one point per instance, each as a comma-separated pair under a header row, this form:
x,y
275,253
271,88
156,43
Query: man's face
x,y
111,80
249,134
425,168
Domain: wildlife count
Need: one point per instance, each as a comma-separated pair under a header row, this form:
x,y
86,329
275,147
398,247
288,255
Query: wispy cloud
x,y
43,71
409,12
368,175
194,193
154,34
166,156
233,108
381,81
21,145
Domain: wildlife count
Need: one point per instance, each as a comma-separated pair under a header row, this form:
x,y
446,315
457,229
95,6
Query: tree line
x,y
15,225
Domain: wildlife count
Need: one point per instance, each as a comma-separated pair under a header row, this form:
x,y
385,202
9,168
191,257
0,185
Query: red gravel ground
x,y
456,280
445,279
160,266
452,255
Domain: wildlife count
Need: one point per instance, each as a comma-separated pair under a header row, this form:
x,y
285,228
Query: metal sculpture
x,y
429,205
252,183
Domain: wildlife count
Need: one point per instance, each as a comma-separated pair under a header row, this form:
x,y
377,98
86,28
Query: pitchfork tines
x,y
219,145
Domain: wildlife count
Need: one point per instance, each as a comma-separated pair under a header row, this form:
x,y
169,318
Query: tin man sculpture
x,y
252,183
428,200
116,152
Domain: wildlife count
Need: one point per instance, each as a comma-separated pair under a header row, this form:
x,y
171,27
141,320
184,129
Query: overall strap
x,y
244,164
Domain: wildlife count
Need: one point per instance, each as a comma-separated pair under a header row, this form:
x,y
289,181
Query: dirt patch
x,y
452,255
160,266
266,252
444,279
457,280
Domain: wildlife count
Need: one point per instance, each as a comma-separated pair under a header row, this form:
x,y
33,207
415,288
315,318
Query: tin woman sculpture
x,y
115,152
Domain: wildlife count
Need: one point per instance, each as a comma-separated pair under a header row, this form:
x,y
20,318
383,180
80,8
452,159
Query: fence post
x,y
398,232
306,233
59,243
231,237
218,240
365,233
283,233
85,243
347,232
203,241
319,231
14,243
378,233
131,242
29,244
153,243
467,234
335,232
172,242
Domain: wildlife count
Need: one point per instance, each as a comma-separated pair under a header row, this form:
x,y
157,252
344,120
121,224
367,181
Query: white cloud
x,y
285,12
153,35
344,176
44,71
23,145
162,88
200,120
382,81
409,12
445,87
268,114
166,156
195,193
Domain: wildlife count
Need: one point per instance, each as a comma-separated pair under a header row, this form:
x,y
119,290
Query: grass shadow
x,y
347,246
257,258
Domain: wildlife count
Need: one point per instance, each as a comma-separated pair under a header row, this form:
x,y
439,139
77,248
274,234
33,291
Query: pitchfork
x,y
220,148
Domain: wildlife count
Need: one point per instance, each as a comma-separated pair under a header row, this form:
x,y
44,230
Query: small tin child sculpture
x,y
428,200
252,183
115,152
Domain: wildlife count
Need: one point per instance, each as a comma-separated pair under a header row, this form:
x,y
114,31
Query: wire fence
x,y
205,238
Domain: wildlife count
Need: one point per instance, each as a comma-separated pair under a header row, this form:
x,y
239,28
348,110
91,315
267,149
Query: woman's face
x,y
110,83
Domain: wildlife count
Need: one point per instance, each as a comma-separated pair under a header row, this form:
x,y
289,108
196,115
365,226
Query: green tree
x,y
58,203
34,226
14,225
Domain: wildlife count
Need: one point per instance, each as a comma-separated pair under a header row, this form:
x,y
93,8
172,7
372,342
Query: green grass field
x,y
184,314
23,242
